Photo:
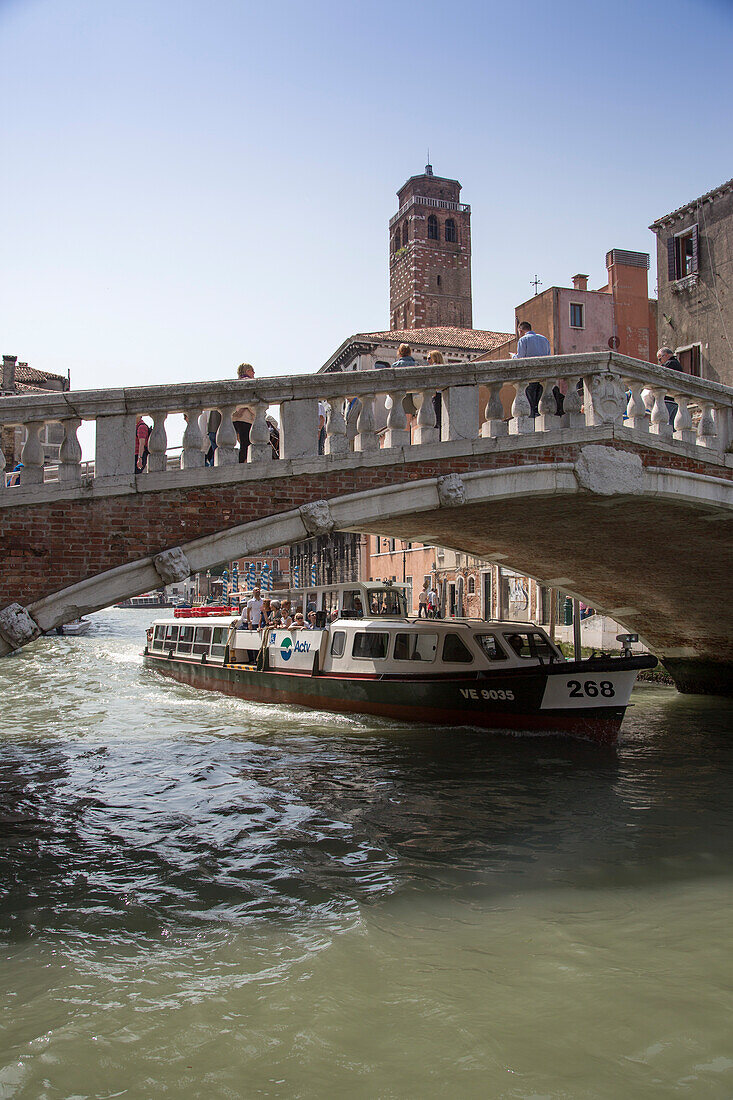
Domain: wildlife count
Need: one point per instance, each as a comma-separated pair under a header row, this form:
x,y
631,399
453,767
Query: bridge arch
x,y
584,525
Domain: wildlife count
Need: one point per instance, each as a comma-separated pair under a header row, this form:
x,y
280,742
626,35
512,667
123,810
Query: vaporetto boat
x,y
366,656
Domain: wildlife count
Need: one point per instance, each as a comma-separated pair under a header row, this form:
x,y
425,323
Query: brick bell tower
x,y
430,255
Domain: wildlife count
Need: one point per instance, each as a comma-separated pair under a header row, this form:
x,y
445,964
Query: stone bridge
x,y
607,501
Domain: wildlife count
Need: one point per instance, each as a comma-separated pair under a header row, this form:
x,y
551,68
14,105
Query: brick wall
x,y
47,547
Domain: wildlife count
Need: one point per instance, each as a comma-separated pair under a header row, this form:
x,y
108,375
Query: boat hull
x,y
521,700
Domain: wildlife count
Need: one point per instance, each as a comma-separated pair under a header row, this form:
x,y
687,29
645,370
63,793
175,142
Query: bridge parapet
x,y
479,401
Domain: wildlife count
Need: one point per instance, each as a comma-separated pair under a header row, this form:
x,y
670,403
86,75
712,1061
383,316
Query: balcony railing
x,y
423,200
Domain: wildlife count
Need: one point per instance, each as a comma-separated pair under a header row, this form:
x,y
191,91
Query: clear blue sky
x,y
189,185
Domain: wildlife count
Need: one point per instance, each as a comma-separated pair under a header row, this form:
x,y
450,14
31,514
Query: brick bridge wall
x,y
49,546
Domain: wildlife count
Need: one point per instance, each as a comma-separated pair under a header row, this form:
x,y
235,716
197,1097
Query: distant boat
x,y
147,599
76,626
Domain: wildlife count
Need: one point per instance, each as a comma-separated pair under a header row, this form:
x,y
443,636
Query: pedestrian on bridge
x,y
667,358
405,357
244,416
142,435
532,345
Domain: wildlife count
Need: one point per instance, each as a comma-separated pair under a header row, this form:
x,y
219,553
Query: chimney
x,y
580,282
9,362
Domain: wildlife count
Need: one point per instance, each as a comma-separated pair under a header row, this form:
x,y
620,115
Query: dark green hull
x,y
510,700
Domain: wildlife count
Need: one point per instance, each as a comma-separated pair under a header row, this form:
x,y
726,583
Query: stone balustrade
x,y
479,401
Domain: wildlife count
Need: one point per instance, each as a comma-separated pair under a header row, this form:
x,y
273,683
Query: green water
x,y
203,897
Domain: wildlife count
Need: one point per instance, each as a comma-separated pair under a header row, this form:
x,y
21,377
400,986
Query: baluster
x,y
660,416
547,418
192,455
70,453
636,409
426,429
707,435
157,443
366,438
336,441
683,430
32,454
397,434
226,453
259,437
573,415
521,422
352,416
494,424
204,429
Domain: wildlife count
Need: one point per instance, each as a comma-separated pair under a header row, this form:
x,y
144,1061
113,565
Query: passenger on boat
x,y
253,615
299,621
311,624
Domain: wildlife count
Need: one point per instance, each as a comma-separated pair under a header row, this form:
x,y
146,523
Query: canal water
x,y
203,897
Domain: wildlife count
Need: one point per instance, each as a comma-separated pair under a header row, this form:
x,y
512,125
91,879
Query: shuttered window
x,y
683,254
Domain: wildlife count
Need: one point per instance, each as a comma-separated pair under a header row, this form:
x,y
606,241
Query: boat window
x,y
370,646
338,643
352,607
159,637
185,639
202,639
218,643
330,604
386,601
415,647
491,647
530,644
171,635
455,651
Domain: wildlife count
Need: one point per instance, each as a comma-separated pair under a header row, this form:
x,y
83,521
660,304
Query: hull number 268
x,y
590,689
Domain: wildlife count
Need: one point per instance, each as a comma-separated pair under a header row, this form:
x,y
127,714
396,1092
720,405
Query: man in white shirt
x,y
422,602
433,603
254,610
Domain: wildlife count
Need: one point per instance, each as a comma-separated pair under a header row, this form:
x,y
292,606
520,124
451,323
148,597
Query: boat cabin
x,y
353,600
358,646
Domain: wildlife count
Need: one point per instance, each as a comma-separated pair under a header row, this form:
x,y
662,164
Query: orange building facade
x,y
619,316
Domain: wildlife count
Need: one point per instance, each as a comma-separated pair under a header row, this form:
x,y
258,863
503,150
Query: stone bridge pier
x,y
606,500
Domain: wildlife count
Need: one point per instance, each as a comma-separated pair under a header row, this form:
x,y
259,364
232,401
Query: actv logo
x,y
286,649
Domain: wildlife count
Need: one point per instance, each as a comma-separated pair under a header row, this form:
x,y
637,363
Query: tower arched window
x,y
450,230
404,233
432,228
397,241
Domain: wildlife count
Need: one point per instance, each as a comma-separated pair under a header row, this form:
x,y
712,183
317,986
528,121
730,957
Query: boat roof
x,y
381,622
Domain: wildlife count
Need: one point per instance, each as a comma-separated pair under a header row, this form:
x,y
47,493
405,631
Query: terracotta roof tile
x,y
29,375
442,336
